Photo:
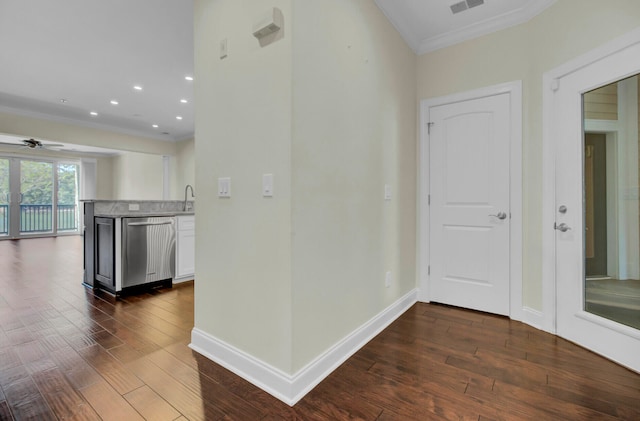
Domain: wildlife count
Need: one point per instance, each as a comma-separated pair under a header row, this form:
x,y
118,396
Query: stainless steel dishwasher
x,y
148,250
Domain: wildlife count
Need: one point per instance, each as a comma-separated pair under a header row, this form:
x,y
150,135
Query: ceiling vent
x,y
465,5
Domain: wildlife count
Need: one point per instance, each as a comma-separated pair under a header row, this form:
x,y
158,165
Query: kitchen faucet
x,y
188,186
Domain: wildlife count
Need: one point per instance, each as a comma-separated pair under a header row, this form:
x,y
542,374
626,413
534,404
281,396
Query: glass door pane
x,y
4,197
612,202
67,197
36,194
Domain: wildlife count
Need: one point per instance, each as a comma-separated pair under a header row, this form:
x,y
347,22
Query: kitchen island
x,y
130,245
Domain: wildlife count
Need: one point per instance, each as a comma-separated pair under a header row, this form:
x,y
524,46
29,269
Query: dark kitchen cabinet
x,y
105,249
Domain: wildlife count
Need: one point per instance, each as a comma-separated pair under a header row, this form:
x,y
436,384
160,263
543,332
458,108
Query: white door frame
x,y
551,82
514,89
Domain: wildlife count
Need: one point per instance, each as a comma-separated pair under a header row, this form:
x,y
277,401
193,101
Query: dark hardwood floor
x,y
67,353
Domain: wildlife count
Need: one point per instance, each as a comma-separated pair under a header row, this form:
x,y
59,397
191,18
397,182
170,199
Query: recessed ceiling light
x,y
155,126
137,87
178,117
64,101
189,78
114,102
184,101
93,113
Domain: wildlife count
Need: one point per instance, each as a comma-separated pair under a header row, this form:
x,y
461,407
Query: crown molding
x,y
497,23
488,26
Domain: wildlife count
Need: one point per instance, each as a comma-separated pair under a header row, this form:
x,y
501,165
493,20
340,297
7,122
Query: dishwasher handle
x,y
139,224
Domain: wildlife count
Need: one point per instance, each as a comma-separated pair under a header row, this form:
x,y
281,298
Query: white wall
x,y
328,108
243,130
137,176
183,166
564,31
354,101
104,180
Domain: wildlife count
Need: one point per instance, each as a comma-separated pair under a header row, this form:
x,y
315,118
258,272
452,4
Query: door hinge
x,y
428,200
429,270
429,124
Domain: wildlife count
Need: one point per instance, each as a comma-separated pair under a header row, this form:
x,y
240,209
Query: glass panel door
x,y
612,202
4,197
36,197
67,209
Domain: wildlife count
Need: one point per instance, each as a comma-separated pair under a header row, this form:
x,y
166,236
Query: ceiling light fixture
x,y
137,87
155,126
64,101
93,113
189,78
184,101
114,102
179,117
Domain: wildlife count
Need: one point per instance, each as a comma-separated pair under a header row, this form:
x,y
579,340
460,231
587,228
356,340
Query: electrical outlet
x,y
134,207
387,279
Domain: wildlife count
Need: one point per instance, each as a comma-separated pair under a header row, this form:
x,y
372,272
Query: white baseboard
x,y
291,388
534,318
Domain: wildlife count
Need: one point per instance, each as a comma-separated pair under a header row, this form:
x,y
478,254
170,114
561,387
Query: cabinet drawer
x,y
186,223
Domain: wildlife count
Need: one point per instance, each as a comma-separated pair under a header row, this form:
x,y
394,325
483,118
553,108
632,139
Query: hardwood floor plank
x,y
107,402
26,402
190,403
5,412
115,373
150,405
63,400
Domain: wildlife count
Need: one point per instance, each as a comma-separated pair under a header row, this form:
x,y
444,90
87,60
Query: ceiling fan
x,y
34,144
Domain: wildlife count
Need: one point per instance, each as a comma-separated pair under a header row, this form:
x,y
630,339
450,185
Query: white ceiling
x,y
89,52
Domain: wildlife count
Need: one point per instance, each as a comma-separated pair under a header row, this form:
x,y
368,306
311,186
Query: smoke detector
x,y
465,5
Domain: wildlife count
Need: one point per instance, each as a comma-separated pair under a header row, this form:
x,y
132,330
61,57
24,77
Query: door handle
x,y
562,227
500,215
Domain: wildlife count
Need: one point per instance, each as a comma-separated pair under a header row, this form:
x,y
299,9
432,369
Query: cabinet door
x,y
186,253
105,251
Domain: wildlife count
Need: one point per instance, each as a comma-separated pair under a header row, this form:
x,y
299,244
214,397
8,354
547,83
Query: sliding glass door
x,y
4,197
37,198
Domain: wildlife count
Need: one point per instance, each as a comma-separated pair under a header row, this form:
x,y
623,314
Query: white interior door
x,y
469,212
574,320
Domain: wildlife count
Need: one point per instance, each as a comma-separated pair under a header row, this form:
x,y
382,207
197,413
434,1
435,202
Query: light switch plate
x,y
387,279
267,185
224,187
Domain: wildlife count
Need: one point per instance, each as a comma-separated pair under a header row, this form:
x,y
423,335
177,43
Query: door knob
x,y
500,215
562,227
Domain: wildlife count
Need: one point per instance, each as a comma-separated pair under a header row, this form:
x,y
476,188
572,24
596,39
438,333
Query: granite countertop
x,y
141,208
144,214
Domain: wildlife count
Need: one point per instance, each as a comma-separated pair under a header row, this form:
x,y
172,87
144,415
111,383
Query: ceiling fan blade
x,y
11,144
52,145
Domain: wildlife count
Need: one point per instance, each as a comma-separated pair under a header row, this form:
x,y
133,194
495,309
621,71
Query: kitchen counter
x,y
140,214
112,241
140,208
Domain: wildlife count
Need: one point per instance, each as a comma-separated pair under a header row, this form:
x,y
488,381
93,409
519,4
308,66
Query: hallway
x,y
67,353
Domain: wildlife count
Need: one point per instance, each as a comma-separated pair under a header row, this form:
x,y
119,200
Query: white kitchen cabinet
x,y
185,248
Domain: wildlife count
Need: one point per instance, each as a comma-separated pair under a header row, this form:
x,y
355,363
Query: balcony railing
x,y
38,218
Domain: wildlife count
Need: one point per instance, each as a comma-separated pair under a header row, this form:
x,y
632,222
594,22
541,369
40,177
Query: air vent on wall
x,y
465,5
